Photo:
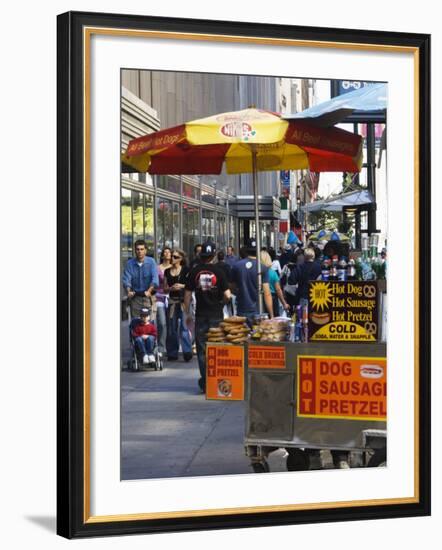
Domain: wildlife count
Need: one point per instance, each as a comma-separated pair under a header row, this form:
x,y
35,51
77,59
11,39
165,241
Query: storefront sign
x,y
284,178
345,86
225,372
343,311
266,357
342,387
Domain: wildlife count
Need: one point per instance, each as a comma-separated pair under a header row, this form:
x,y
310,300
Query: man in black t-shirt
x,y
211,289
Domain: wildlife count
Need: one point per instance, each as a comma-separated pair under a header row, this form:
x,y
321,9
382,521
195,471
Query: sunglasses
x,y
176,257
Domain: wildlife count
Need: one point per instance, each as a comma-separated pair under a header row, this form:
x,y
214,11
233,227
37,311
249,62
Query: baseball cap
x,y
145,312
251,244
207,249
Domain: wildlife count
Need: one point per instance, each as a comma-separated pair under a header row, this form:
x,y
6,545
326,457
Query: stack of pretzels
x,y
233,330
216,335
236,329
272,330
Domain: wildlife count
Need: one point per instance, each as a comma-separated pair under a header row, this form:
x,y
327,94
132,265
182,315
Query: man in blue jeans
x,y
244,277
211,288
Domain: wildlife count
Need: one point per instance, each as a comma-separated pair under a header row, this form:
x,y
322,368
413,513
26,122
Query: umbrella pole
x,y
258,233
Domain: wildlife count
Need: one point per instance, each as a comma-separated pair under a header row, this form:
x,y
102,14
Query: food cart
x,y
328,392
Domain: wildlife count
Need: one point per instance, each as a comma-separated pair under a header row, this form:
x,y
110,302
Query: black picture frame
x,y
72,392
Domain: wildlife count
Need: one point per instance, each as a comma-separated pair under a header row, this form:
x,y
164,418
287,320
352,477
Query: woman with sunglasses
x,y
174,282
161,298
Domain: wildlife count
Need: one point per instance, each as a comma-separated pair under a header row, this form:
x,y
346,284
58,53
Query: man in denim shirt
x,y
140,279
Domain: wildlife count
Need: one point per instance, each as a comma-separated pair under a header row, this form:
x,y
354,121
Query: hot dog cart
x,y
328,392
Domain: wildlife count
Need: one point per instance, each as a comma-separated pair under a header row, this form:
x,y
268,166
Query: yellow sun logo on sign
x,y
320,296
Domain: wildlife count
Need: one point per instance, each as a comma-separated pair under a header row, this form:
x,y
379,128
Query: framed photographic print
x,y
234,200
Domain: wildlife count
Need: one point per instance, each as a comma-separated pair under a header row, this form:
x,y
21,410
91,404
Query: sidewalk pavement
x,y
169,429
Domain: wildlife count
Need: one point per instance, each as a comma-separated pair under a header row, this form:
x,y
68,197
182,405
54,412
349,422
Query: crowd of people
x,y
186,298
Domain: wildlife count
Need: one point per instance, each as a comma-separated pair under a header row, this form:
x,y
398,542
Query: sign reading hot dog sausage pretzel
x,y
342,387
343,311
225,372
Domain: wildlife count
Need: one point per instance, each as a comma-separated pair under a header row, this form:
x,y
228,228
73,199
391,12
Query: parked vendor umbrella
x,y
324,235
251,140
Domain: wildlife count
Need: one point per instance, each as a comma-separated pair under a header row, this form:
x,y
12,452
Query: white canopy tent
x,y
338,202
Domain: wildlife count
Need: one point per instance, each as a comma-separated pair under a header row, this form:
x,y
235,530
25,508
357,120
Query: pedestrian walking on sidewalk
x,y
161,298
211,288
177,332
140,279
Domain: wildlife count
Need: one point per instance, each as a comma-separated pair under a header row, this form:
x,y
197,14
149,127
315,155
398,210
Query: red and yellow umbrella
x,y
251,140
235,139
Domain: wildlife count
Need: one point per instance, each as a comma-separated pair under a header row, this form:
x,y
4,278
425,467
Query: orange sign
x,y
225,372
342,387
266,357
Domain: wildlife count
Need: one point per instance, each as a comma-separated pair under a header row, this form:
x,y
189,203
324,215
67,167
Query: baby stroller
x,y
135,363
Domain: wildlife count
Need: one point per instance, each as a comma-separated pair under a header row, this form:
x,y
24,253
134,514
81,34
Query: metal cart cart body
x,y
272,419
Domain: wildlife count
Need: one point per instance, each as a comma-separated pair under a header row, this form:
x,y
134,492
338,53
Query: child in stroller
x,y
143,335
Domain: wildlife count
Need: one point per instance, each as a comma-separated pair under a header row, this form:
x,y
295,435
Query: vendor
x,y
245,284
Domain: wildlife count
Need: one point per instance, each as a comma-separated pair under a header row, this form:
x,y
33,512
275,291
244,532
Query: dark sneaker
x,y
187,356
202,385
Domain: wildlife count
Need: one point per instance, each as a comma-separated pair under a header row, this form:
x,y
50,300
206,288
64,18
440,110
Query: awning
x,y
338,202
369,98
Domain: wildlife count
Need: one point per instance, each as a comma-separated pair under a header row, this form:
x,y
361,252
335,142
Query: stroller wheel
x,y
136,366
158,360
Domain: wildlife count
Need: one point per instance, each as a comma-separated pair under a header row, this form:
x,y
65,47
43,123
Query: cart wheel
x,y
260,467
297,460
378,459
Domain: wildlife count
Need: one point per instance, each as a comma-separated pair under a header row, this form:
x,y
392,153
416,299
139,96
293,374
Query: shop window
x,y
208,225
164,223
169,183
126,226
176,225
208,196
232,236
137,216
190,192
221,241
191,225
149,234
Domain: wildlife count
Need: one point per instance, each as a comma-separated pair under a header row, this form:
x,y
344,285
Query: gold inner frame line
x,y
87,33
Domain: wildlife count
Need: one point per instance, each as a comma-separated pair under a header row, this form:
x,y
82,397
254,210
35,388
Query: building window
x,y
149,233
208,225
168,224
126,226
190,192
232,236
176,225
191,228
208,196
221,223
137,216
169,183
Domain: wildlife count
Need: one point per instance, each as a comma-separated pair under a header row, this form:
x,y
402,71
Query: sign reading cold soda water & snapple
x,y
225,372
343,311
353,388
